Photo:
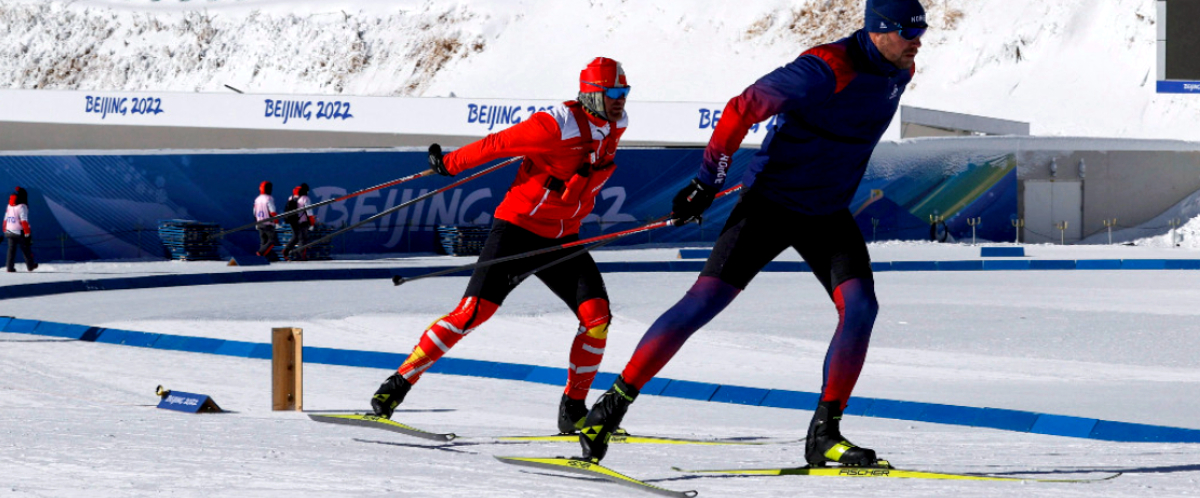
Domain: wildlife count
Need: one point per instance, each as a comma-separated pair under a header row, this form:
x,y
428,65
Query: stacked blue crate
x,y
189,240
462,241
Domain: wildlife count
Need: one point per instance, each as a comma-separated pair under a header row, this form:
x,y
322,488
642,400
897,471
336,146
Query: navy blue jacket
x,y
832,104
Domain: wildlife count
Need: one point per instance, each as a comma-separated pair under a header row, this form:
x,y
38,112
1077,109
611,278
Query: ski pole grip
x,y
397,280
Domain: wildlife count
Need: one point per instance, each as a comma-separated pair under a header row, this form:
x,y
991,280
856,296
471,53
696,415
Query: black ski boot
x,y
826,444
390,395
604,418
571,414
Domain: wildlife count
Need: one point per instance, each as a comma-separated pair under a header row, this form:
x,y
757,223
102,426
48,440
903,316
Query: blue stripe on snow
x,y
993,418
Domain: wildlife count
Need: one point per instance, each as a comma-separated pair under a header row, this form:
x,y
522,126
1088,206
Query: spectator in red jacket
x,y
16,230
568,153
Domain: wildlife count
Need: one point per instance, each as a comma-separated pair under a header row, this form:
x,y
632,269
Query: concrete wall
x,y
1133,181
1133,186
912,130
919,122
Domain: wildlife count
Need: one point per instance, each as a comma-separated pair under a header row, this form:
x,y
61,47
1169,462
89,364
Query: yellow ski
x,y
371,421
885,471
632,439
577,466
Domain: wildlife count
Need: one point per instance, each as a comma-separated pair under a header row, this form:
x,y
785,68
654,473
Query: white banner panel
x,y
655,122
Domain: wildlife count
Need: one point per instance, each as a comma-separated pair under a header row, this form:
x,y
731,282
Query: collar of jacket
x,y
873,59
592,118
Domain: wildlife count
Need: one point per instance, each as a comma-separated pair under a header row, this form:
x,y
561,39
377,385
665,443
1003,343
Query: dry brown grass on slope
x,y
823,21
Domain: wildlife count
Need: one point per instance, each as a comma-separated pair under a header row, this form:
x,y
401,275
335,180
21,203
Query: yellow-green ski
x,y
371,421
885,470
631,439
577,466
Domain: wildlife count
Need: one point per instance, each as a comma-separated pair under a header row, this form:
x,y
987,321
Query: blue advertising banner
x,y
1166,86
85,207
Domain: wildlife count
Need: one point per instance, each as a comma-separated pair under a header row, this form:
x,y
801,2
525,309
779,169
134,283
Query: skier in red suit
x,y
568,151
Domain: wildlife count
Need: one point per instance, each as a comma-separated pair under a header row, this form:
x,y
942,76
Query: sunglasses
x,y
909,34
616,92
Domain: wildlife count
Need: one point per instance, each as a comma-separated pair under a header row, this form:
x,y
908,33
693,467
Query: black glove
x,y
435,161
691,201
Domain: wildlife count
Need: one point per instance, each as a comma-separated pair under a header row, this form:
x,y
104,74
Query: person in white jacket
x,y
264,207
16,230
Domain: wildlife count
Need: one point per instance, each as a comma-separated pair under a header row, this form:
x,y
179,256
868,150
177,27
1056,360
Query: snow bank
x,y
1070,67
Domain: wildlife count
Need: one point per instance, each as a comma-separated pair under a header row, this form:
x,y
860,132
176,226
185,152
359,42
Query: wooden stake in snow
x,y
287,376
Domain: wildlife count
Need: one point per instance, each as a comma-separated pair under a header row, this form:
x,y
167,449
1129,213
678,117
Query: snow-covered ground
x,y
1069,67
1114,345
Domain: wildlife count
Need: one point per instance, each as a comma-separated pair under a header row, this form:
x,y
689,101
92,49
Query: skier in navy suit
x,y
832,105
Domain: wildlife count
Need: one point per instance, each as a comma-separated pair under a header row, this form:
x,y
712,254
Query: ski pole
x,y
409,203
397,279
661,222
521,278
322,203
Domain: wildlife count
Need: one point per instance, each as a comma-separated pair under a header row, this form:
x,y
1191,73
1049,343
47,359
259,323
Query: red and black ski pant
x,y
576,281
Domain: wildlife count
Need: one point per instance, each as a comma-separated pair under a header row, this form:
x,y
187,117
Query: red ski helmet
x,y
265,188
602,77
600,74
